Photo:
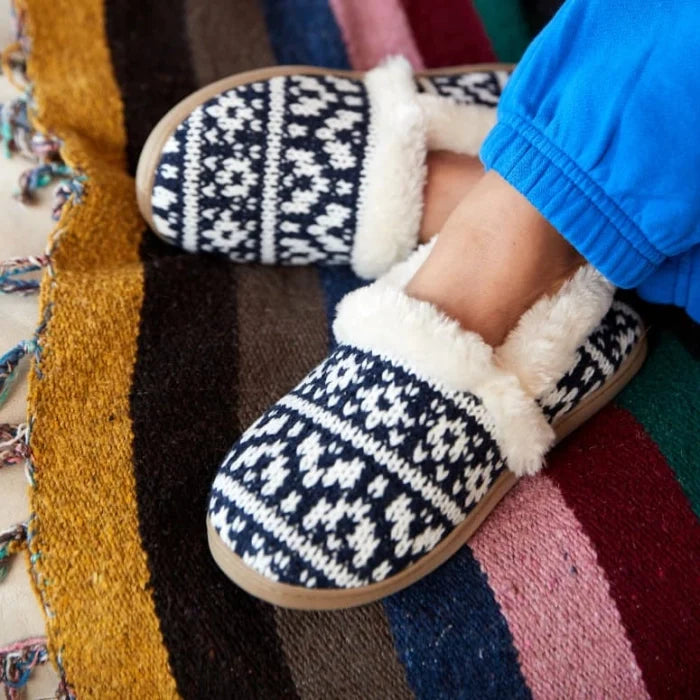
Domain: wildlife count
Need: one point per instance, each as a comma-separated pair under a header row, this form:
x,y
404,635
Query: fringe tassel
x,y
14,268
18,20
67,190
11,542
14,447
15,130
30,181
9,363
17,661
17,136
13,63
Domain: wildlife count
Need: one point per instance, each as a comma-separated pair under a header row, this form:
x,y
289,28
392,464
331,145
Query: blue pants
x,y
599,127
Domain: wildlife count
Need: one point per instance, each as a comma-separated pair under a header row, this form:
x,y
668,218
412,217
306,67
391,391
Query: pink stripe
x,y
374,30
555,598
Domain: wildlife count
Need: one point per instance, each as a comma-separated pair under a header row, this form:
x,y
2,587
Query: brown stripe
x,y
226,37
342,654
282,334
183,402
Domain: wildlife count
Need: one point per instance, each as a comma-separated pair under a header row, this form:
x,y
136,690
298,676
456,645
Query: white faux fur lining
x,y
404,126
390,202
382,319
402,273
453,126
542,347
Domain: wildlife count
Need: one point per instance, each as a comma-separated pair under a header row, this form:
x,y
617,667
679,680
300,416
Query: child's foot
x,y
286,167
380,464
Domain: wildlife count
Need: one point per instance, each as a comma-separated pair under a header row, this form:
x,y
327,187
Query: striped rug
x,y
584,582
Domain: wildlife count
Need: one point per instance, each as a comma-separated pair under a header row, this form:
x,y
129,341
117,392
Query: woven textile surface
x,y
151,362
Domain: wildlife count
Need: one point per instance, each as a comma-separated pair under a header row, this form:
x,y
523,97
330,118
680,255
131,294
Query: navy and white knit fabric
x,y
364,467
269,171
272,171
596,360
467,88
358,472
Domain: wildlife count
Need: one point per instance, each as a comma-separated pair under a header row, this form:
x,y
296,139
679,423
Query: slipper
x,y
298,165
387,457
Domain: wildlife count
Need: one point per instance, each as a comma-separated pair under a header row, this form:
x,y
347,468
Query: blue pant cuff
x,y
576,206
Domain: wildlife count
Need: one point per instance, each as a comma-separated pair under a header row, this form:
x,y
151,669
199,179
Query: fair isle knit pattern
x,y
467,88
353,476
365,467
267,172
274,171
597,360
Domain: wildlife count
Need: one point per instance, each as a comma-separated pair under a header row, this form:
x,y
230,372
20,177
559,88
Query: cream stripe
x,y
193,168
272,165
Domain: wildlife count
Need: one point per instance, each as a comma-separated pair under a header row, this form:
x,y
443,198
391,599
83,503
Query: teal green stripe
x,y
506,26
665,398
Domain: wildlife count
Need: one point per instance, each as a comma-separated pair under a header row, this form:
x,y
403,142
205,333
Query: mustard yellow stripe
x,y
89,566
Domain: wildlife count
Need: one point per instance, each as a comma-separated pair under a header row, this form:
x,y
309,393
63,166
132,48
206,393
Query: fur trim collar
x,y
382,319
391,190
404,126
543,345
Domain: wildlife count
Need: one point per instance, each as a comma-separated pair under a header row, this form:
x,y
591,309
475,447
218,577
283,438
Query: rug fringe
x,y
12,541
19,137
18,660
21,134
14,447
9,363
12,270
13,64
34,179
70,189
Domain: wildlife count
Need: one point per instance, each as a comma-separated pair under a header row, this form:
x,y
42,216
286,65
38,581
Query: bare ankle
x,y
450,176
495,257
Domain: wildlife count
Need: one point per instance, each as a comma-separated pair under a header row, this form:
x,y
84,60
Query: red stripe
x,y
448,33
647,539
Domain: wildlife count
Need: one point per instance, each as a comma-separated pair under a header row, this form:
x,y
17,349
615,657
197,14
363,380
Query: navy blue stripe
x,y
336,282
305,31
451,637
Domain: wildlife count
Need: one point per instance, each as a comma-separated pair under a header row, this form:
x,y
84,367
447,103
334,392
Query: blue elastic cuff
x,y
566,196
677,282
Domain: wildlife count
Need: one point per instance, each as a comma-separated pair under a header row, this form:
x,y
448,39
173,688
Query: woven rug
x,y
149,363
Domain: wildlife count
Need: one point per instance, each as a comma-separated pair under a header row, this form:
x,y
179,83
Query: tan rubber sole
x,y
289,596
150,155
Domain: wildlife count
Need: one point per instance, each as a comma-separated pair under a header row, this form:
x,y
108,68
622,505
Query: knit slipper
x,y
297,165
383,462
